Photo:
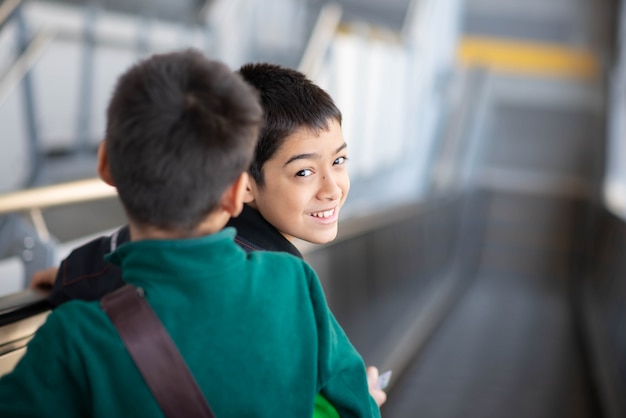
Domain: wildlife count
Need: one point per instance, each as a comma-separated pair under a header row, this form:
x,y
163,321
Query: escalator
x,y
514,344
511,346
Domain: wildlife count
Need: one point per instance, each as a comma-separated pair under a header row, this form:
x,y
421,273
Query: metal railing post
x,y
35,152
85,90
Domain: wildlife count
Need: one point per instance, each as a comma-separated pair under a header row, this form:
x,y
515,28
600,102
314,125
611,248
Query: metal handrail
x,y
325,28
55,195
24,63
447,170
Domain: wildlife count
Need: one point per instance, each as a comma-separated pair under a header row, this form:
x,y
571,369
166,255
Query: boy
x,y
181,130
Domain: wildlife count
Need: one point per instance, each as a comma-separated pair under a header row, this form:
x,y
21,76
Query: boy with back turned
x,y
181,131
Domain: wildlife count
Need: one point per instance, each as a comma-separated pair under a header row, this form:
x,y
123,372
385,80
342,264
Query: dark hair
x,y
180,129
290,102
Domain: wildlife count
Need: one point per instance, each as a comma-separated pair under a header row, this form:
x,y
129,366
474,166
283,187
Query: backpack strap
x,y
155,354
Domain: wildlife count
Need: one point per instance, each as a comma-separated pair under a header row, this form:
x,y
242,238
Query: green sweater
x,y
254,329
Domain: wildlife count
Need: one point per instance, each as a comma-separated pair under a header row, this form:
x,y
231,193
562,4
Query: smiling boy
x,y
298,179
309,177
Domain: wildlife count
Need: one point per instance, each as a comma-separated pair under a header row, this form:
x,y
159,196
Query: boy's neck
x,y
213,223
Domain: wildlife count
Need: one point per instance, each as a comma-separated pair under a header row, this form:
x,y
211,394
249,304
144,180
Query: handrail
x,y
7,8
55,195
325,28
449,166
24,63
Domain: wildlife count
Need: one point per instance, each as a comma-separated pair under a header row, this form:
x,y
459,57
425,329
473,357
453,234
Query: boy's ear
x,y
249,192
103,165
233,197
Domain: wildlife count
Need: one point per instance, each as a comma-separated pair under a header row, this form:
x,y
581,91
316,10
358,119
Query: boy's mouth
x,y
325,214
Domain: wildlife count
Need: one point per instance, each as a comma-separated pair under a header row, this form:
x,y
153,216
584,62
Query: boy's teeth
x,y
324,214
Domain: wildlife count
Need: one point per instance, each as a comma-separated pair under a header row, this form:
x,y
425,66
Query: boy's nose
x,y
329,188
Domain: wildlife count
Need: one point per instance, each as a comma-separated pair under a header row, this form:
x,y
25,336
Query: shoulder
x,y
277,258
281,266
70,333
100,246
70,322
86,261
255,233
72,314
85,274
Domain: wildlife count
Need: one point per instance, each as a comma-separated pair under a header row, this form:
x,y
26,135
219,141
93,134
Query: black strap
x,y
155,354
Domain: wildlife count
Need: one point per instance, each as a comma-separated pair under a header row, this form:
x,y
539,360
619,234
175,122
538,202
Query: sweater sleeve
x,y
42,385
341,372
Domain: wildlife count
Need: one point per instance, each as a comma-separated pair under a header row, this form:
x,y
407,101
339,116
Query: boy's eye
x,y
304,173
340,160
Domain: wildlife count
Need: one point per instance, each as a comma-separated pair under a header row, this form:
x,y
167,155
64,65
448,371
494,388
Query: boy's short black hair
x,y
180,129
290,102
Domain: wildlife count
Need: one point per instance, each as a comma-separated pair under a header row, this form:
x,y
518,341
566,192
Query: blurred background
x,y
480,253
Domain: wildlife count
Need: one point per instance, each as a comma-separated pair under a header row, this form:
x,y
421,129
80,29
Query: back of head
x,y
290,102
180,129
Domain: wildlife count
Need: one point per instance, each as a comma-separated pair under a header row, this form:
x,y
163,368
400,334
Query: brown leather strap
x,y
155,354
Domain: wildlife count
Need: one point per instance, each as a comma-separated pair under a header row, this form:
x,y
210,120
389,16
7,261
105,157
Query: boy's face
x,y
306,184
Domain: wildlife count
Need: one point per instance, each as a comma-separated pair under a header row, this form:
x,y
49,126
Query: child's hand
x,y
43,279
372,378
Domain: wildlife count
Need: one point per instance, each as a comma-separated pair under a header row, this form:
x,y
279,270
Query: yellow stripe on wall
x,y
527,57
